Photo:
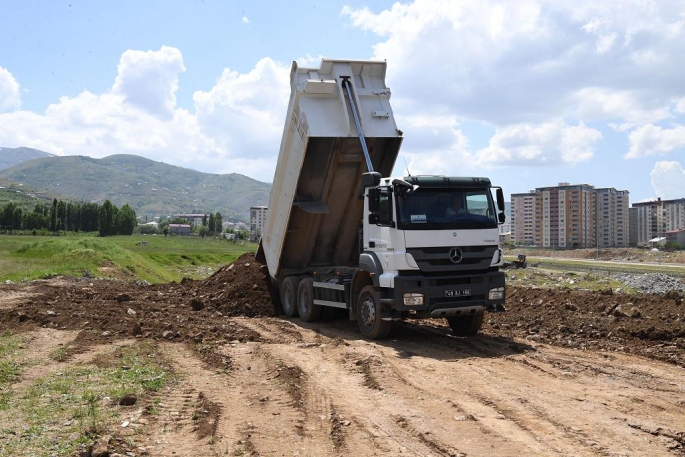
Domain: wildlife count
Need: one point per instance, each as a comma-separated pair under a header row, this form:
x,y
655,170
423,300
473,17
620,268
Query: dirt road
x,y
264,385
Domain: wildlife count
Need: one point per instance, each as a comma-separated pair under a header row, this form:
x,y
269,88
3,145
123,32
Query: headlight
x,y
496,294
412,299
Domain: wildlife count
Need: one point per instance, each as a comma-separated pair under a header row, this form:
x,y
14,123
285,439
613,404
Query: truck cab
x,y
431,248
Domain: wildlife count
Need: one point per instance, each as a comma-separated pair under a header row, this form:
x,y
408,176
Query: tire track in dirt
x,y
561,403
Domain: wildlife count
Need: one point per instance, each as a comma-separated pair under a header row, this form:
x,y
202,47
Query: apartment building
x,y
571,216
653,219
523,221
257,221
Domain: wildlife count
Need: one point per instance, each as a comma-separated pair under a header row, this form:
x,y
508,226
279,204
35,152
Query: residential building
x,y
523,218
179,229
654,218
257,221
570,216
676,237
194,219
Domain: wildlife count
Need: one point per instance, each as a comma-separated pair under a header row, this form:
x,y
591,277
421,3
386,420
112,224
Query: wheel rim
x,y
288,299
368,312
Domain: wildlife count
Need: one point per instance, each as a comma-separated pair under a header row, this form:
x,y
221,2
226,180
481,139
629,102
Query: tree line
x,y
106,219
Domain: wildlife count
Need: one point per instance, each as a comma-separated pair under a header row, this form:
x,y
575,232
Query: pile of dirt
x,y
106,310
652,325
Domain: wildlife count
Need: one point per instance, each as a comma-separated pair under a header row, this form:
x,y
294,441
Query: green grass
x,y
602,267
61,412
156,259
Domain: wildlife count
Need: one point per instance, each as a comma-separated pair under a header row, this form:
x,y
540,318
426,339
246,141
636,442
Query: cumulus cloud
x,y
654,140
545,144
9,91
236,125
149,80
529,61
667,180
244,113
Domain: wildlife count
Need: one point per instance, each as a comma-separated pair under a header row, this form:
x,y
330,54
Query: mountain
x,y
151,188
13,156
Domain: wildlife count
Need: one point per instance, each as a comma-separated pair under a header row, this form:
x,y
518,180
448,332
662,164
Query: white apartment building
x,y
523,221
257,221
654,218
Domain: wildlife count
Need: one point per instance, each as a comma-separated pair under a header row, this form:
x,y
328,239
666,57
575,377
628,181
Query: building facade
x,y
571,216
194,219
653,219
257,221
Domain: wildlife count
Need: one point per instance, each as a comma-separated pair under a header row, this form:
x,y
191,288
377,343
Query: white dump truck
x,y
340,234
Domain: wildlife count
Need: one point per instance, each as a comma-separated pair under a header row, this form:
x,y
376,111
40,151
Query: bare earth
x,y
558,374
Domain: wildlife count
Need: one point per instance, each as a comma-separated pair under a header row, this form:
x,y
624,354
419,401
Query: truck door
x,y
381,226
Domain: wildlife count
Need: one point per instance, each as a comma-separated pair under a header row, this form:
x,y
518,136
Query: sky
x,y
529,93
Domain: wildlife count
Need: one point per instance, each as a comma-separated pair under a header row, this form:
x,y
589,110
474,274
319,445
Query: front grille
x,y
433,259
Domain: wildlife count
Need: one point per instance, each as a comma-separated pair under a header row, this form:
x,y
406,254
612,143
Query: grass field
x,y
156,259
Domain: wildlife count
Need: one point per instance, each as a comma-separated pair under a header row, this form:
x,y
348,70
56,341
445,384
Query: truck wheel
x,y
289,295
309,312
466,325
369,315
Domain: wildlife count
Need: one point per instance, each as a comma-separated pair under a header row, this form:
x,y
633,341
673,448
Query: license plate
x,y
457,293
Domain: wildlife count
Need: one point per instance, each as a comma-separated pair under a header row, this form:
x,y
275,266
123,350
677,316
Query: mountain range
x,y
151,188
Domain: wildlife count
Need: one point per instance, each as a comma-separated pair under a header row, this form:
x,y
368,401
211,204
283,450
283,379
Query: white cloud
x,y
545,144
149,80
667,180
9,91
654,140
245,20
236,125
245,113
530,61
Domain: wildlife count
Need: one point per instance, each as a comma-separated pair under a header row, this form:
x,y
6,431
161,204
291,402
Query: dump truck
x,y
340,233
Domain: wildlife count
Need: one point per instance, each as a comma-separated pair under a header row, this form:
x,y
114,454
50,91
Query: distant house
x,y
179,229
676,237
195,219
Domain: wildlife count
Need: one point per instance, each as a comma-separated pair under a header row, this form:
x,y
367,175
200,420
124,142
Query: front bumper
x,y
445,295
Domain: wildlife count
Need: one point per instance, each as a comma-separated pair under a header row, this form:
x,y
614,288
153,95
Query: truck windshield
x,y
438,208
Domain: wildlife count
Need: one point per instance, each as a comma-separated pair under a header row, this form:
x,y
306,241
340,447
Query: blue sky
x,y
529,93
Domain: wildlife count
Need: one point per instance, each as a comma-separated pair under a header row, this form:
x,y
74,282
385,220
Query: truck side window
x,y
385,208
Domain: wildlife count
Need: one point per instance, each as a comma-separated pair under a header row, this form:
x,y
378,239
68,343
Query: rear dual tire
x,y
309,312
289,295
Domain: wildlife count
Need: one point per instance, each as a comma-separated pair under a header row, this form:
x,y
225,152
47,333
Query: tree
x,y
210,224
61,216
53,216
218,222
127,220
203,231
106,218
204,220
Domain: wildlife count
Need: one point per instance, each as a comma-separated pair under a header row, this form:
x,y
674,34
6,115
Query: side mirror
x,y
502,218
500,199
374,201
373,218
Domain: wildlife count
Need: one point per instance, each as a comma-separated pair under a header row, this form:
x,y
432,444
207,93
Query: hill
x,y
10,157
151,188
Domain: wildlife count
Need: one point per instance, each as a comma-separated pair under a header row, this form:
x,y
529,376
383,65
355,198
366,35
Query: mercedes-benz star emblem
x,y
456,255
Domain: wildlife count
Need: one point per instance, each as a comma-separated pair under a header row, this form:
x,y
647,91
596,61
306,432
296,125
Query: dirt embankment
x,y
195,311
563,372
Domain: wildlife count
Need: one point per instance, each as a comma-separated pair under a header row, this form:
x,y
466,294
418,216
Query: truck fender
x,y
367,274
368,261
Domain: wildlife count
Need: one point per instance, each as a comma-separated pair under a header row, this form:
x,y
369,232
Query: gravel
x,y
652,283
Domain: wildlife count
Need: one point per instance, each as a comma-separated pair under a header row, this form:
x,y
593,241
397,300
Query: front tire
x,y
289,295
309,312
466,325
369,319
